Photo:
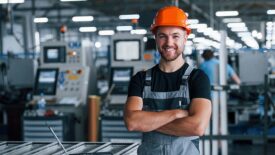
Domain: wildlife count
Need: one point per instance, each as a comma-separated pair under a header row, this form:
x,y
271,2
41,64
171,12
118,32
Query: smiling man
x,y
169,103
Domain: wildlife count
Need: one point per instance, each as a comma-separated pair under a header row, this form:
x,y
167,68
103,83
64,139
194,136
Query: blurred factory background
x,y
66,64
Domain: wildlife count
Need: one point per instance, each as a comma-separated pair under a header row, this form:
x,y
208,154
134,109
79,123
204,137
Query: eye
x,y
161,36
176,37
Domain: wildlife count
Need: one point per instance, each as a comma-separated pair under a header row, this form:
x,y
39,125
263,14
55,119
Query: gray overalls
x,y
155,143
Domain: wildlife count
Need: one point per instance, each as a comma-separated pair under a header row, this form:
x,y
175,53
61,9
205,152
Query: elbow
x,y
130,126
199,130
135,126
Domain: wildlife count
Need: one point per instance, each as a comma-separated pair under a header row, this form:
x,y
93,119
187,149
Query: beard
x,y
167,56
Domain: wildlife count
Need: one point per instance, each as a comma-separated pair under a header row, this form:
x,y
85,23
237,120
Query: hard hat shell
x,y
170,16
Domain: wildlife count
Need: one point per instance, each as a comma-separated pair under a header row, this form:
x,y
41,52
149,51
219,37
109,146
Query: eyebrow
x,y
175,33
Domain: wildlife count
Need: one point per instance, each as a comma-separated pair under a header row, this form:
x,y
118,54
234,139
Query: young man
x,y
169,103
210,67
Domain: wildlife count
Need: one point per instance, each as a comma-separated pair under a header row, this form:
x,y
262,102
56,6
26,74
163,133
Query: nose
x,y
170,41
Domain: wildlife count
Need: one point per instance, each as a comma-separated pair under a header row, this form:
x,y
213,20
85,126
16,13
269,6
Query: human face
x,y
170,42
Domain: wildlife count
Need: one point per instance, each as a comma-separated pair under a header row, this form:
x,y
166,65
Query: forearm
x,y
192,125
187,126
145,121
236,79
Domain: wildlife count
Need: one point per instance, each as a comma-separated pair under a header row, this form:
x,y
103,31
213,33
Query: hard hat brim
x,y
154,28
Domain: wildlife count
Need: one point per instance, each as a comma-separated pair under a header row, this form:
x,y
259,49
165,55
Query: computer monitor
x,y
120,77
46,81
127,50
54,54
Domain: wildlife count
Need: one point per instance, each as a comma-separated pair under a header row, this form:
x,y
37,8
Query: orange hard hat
x,y
170,16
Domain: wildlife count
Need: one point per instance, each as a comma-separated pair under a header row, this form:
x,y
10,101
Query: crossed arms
x,y
172,122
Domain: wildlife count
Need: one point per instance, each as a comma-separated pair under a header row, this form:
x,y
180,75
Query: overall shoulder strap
x,y
148,77
185,77
187,72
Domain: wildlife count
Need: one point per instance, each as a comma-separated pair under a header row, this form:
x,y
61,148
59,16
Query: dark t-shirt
x,y
199,85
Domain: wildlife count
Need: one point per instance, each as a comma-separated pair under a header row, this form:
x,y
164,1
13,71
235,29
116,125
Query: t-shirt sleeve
x,y
136,84
199,85
230,71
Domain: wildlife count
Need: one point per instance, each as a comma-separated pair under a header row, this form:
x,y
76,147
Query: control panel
x,y
70,84
59,53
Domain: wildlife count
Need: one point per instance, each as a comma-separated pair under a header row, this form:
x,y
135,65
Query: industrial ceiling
x,y
106,12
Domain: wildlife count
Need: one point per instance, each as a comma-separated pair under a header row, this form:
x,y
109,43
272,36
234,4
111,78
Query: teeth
x,y
168,49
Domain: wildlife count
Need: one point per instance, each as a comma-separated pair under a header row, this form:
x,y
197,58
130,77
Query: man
x,y
169,103
210,67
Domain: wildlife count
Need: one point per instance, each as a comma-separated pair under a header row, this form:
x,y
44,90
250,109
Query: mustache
x,y
165,46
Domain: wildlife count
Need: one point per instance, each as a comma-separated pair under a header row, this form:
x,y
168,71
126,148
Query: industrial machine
x,y
62,80
253,66
16,83
127,58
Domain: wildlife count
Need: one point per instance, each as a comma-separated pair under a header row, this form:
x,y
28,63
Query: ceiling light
x,y
268,37
129,16
238,46
251,42
244,34
269,28
254,33
227,13
72,0
41,20
124,28
189,43
145,39
239,29
199,39
270,12
232,20
259,36
197,26
82,18
208,31
201,30
268,45
192,21
215,35
191,36
138,31
269,24
231,25
87,29
106,32
97,44
11,1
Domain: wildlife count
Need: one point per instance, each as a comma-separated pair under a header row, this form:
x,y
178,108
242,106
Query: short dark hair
x,y
207,54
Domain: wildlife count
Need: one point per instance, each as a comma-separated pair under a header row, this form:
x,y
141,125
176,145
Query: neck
x,y
171,66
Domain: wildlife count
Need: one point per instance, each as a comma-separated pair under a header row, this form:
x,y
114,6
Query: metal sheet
x,y
48,148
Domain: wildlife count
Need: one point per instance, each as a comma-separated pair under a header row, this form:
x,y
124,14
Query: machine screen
x,y
46,81
127,50
121,77
54,54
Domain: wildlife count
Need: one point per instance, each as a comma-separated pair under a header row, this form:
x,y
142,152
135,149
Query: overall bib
x,y
156,143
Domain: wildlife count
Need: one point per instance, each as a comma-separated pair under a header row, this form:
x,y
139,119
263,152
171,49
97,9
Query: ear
x,y
185,38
